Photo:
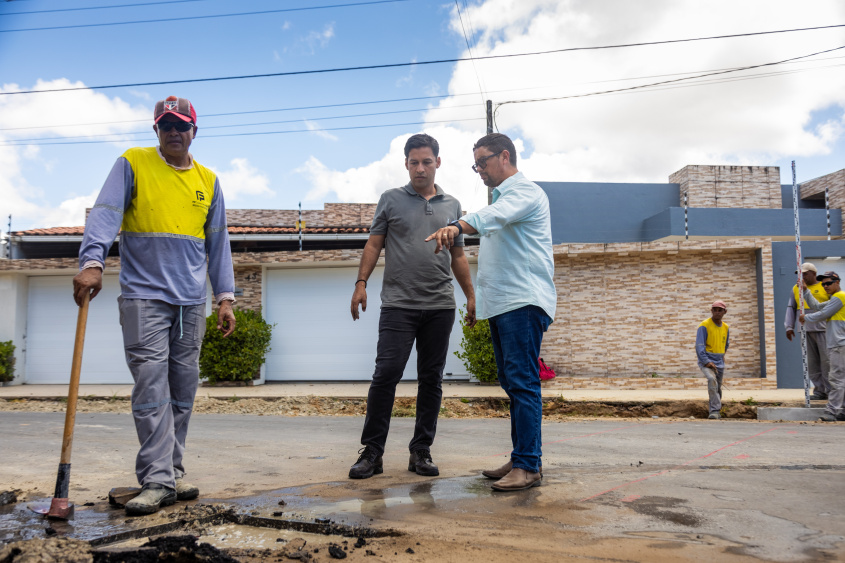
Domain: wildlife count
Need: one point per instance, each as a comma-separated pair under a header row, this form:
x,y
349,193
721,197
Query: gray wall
x,y
598,212
790,372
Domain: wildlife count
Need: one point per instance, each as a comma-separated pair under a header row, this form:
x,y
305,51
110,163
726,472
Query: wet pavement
x,y
613,490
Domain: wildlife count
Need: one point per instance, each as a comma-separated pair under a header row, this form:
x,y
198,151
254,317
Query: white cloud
x,y
408,79
22,117
311,126
286,26
642,136
315,39
242,179
366,184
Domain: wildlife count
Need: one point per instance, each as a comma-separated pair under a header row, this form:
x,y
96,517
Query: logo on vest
x,y
200,196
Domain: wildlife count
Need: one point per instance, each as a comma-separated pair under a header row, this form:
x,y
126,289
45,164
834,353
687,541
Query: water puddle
x,y
338,508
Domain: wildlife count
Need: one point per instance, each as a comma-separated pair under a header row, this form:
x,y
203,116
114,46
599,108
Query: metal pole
x,y
800,290
827,209
686,218
9,239
489,116
299,226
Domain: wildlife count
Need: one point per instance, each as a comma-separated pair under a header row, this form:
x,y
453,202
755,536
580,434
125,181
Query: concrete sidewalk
x,y
409,389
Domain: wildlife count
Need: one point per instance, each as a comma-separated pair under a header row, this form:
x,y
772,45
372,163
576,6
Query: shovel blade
x,y
56,509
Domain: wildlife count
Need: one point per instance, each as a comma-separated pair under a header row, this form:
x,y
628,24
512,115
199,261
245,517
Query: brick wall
x,y
332,215
624,310
633,310
835,183
756,187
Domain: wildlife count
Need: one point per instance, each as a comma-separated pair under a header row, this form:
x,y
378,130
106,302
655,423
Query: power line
x,y
270,132
397,65
146,131
469,50
99,7
159,20
417,98
641,86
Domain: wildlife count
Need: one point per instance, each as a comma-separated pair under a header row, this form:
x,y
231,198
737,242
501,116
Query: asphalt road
x,y
614,490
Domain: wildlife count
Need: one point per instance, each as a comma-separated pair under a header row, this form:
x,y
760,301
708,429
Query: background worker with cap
x,y
171,216
817,362
711,344
834,312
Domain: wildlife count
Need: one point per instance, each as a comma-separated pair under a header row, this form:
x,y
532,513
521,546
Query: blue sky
x,y
627,137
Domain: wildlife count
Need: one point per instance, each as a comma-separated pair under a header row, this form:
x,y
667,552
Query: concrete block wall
x,y
748,187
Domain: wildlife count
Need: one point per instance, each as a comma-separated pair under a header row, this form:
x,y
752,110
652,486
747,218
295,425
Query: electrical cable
x,y
206,17
12,144
641,86
205,128
99,7
469,50
398,65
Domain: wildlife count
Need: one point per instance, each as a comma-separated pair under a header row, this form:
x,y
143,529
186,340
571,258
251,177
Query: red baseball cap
x,y
720,304
180,107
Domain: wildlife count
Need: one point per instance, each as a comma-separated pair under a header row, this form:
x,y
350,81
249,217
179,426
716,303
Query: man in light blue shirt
x,y
515,291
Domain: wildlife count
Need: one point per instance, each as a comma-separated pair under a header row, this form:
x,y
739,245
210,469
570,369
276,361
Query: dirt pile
x,y
52,550
485,407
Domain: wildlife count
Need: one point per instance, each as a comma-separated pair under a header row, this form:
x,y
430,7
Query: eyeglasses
x,y
481,163
826,284
180,126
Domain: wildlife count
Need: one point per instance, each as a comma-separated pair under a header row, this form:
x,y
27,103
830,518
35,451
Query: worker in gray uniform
x,y
834,312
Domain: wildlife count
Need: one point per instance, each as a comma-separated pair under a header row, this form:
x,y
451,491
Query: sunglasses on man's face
x,y
829,283
180,126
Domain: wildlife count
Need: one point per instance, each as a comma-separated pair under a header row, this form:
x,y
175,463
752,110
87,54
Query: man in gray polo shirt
x,y
417,303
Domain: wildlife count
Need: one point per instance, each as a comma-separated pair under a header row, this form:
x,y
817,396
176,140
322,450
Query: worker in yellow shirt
x,y
711,344
817,360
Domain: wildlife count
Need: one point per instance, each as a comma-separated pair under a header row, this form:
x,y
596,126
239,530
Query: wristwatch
x,y
457,223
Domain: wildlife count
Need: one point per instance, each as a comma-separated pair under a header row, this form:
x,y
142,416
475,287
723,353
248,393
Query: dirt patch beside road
x,y
485,407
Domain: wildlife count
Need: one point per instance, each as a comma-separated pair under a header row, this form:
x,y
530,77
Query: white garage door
x,y
315,338
51,327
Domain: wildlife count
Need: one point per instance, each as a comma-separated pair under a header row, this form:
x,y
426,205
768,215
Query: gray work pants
x,y
714,386
162,344
818,365
836,396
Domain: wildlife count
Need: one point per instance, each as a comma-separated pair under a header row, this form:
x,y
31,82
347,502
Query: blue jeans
x,y
517,336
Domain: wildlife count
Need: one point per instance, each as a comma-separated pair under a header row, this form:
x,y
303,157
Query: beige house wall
x,y
626,311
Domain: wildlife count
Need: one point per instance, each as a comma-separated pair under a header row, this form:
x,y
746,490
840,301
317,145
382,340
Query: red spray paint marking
x,y
742,456
792,432
630,498
572,438
678,466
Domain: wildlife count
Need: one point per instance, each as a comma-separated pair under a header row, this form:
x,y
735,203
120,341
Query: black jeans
x,y
397,330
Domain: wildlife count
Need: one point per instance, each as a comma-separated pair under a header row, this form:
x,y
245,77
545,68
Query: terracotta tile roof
x,y
233,229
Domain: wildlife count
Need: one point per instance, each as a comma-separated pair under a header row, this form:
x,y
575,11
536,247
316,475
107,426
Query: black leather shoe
x,y
840,417
369,463
421,464
818,396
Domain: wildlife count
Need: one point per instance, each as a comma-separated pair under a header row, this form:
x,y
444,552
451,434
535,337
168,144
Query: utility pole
x,y
489,130
489,116
9,238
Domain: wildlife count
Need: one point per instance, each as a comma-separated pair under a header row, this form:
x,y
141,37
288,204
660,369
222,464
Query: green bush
x,y
239,356
476,351
7,361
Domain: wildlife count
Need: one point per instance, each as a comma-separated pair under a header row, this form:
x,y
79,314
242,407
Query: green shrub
x,y
7,361
239,356
476,351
